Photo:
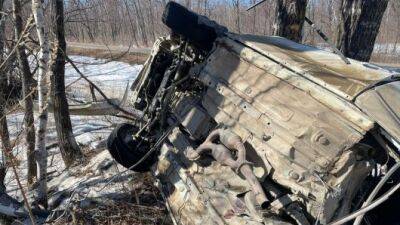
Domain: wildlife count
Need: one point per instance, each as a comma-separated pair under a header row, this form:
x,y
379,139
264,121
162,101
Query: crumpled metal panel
x,y
381,104
304,144
317,63
321,91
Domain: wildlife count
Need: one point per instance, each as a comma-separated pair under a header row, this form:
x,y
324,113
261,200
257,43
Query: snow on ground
x,y
111,76
101,70
387,48
88,182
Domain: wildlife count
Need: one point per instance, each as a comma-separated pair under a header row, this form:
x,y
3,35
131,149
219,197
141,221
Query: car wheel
x,y
127,150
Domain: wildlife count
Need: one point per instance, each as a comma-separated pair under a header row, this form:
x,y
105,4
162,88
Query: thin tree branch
x,y
117,107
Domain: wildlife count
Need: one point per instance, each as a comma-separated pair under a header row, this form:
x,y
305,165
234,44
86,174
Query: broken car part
x,y
293,133
221,153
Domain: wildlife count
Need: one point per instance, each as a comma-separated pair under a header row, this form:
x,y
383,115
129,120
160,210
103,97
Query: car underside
x,y
245,129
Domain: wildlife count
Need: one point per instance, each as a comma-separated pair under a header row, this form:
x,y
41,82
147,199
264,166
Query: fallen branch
x,y
117,107
12,162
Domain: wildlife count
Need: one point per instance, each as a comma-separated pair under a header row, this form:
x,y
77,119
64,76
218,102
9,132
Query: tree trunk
x,y
140,18
254,19
359,27
69,148
152,19
40,152
312,15
131,23
289,19
4,135
236,4
396,7
332,21
5,141
27,89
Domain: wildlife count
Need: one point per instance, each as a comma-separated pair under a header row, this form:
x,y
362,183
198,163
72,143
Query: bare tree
x,y
396,9
69,148
359,27
41,152
254,18
27,90
131,23
311,15
140,19
236,4
332,15
151,9
3,168
289,19
4,134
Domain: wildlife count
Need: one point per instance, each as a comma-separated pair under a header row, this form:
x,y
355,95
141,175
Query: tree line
x,y
138,22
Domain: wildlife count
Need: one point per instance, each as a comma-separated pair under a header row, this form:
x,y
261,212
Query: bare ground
x,y
131,55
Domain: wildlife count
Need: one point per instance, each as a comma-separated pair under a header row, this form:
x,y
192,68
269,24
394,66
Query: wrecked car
x,y
246,129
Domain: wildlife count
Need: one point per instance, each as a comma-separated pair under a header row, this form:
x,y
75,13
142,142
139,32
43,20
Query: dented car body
x,y
245,129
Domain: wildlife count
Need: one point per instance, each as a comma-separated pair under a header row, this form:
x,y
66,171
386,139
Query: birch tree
x,y
41,153
27,90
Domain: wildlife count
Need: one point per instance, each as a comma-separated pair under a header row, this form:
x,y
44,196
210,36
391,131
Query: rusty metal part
x,y
223,155
232,142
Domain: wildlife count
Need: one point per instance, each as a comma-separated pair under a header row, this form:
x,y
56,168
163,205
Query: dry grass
x,y
119,213
141,204
386,59
128,57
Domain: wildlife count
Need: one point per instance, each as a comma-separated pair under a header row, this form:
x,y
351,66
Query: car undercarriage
x,y
245,129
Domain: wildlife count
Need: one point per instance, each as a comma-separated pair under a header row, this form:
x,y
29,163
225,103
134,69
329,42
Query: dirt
x,y
386,59
131,55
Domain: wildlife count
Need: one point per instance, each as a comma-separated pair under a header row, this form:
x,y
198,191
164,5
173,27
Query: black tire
x,y
184,22
127,151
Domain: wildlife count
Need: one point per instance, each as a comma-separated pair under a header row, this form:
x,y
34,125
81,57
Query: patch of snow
x,y
100,70
112,77
387,48
91,131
